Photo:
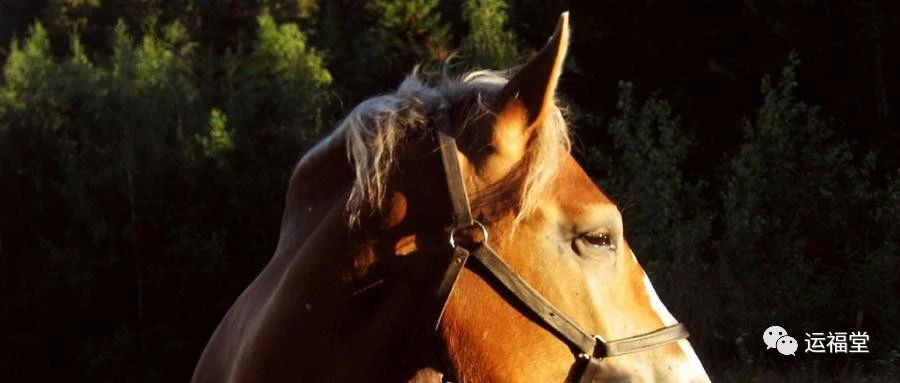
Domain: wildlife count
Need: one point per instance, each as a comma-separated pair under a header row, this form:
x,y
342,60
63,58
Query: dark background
x,y
145,148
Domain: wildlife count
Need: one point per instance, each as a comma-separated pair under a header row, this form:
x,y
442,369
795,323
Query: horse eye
x,y
598,239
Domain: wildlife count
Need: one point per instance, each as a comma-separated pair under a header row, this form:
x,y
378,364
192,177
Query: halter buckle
x,y
599,350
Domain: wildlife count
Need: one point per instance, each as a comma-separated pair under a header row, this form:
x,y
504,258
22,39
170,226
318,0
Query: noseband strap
x,y
646,341
590,349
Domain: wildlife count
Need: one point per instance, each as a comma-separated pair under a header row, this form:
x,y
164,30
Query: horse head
x,y
547,220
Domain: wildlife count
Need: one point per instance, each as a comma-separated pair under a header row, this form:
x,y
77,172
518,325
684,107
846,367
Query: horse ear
x,y
528,96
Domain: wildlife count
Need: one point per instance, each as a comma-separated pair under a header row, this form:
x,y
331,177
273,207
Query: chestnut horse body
x,y
348,295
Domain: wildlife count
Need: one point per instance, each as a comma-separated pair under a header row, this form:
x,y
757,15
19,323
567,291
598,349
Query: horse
x,y
445,233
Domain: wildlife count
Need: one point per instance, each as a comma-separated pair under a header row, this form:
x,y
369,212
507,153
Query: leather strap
x,y
570,331
445,287
462,214
646,341
591,368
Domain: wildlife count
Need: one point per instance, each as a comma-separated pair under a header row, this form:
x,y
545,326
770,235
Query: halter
x,y
589,349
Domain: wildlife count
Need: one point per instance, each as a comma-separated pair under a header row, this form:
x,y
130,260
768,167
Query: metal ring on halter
x,y
484,233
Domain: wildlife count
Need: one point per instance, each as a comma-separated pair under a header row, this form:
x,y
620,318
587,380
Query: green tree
x,y
282,82
797,224
375,43
489,42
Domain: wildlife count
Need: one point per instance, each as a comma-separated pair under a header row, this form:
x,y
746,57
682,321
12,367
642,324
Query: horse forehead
x,y
574,191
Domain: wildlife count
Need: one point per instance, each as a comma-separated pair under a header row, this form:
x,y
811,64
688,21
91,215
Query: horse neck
x,y
318,184
315,253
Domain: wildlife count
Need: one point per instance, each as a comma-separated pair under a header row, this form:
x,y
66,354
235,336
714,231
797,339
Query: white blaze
x,y
693,362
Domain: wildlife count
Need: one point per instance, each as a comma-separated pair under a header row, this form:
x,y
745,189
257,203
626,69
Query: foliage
x,y
386,38
218,140
489,44
649,151
798,225
119,150
789,227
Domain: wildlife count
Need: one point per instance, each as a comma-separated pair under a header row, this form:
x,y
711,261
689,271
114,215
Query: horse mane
x,y
374,130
